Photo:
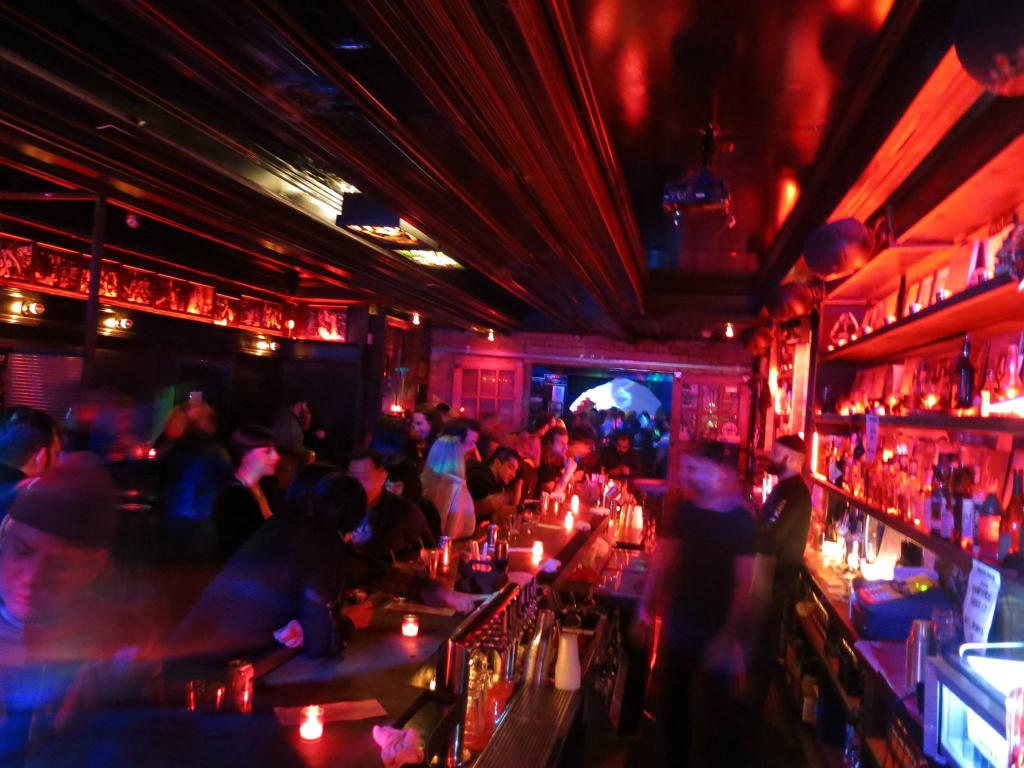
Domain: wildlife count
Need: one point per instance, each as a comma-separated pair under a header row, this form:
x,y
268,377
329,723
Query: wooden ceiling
x,y
488,126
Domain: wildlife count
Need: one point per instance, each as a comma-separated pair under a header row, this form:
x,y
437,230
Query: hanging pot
x,y
989,40
838,248
790,301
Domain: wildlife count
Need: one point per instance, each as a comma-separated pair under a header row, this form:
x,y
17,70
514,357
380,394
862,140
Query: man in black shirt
x,y
782,533
701,584
489,484
619,459
394,528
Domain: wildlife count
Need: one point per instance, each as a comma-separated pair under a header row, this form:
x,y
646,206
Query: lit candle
x,y
410,625
574,505
570,521
312,727
890,319
538,552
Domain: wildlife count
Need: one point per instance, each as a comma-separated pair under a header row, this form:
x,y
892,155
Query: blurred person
x,y
242,505
783,525
444,483
701,584
193,468
29,445
392,527
467,431
285,584
444,411
65,646
389,436
404,481
493,485
424,427
619,459
291,423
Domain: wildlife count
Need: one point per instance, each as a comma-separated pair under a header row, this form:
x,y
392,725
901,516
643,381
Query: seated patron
x,y
467,432
493,485
619,459
287,578
393,527
444,483
242,506
563,458
29,445
65,647
404,481
424,427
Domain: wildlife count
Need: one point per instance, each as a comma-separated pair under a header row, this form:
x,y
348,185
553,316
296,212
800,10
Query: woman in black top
x,y
241,506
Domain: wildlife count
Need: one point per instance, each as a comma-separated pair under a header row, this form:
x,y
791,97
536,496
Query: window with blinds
x,y
51,383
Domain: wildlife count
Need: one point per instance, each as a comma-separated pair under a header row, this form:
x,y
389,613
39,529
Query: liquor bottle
x,y
1009,523
938,501
964,377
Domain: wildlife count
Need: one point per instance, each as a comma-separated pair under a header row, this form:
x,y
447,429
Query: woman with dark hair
x,y
241,506
404,481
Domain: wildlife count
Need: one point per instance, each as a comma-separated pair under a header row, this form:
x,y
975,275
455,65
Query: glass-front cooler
x,y
965,705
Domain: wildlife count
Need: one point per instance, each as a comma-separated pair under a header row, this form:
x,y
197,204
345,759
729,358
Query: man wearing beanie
x,y
29,445
54,632
782,533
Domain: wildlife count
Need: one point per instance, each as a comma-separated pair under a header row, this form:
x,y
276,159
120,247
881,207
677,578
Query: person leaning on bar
x,y
65,645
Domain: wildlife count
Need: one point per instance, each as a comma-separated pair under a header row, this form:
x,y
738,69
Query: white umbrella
x,y
625,394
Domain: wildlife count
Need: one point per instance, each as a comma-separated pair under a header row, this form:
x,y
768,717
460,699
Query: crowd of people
x,y
261,543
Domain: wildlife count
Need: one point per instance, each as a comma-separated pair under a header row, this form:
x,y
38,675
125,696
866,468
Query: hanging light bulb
x,y
729,331
490,334
415,318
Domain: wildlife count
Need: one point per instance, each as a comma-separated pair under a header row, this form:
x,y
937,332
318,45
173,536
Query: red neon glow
x,y
633,81
789,193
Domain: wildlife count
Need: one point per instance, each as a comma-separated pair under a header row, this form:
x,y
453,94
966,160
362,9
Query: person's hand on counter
x,y
360,614
457,601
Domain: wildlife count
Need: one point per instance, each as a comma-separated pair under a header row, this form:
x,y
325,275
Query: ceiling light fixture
x,y
118,323
425,258
730,332
27,308
490,334
701,190
415,318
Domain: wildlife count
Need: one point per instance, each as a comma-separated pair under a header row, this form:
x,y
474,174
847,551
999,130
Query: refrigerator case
x,y
965,722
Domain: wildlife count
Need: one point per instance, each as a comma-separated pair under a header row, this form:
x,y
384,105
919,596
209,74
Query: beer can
x,y
241,678
492,536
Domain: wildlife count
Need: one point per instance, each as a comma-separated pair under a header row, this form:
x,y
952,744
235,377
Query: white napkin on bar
x,y
335,711
398,747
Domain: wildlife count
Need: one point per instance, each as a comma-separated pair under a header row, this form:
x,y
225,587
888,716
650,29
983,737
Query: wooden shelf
x,y
938,421
942,549
995,189
881,276
972,310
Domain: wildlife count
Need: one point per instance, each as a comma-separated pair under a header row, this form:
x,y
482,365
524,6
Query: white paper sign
x,y
870,437
980,602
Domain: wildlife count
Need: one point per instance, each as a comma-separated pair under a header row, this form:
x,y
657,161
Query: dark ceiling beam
x,y
912,41
377,271
535,280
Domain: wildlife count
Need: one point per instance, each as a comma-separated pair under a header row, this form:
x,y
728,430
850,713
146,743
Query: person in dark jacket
x,y
29,445
619,459
393,527
404,481
286,582
242,505
192,470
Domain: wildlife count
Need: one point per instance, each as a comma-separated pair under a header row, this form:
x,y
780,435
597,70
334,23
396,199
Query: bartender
x,y
782,532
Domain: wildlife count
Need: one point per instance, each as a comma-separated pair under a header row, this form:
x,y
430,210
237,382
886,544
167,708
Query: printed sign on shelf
x,y
980,602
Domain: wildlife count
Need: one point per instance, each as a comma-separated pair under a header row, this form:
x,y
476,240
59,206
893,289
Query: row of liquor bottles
x,y
954,496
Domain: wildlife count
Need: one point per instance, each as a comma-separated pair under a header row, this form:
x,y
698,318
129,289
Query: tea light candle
x,y
574,505
312,727
410,625
538,552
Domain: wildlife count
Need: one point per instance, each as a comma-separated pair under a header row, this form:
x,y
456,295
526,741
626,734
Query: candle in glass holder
x,y
575,505
410,625
570,521
538,552
312,726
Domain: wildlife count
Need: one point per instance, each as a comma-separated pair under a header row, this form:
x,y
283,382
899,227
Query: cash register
x,y
885,610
